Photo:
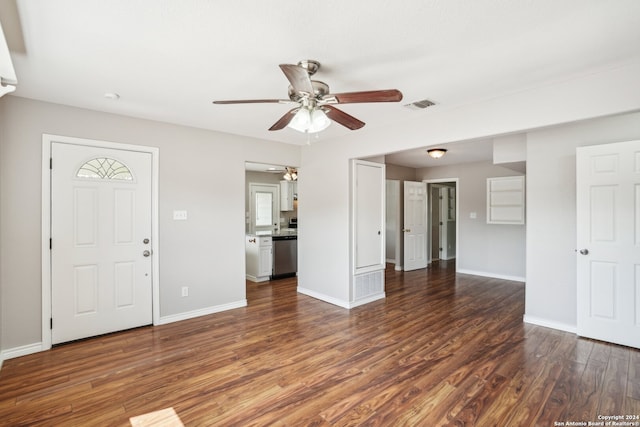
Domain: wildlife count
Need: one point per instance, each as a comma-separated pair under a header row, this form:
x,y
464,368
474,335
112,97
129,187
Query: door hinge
x,y
50,243
51,323
50,162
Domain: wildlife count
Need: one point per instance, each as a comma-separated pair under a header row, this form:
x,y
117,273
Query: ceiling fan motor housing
x,y
320,89
311,65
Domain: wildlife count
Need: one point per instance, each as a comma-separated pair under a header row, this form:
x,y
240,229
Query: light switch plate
x,y
473,215
180,215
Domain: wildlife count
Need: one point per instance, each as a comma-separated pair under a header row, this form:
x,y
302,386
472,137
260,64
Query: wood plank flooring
x,y
442,349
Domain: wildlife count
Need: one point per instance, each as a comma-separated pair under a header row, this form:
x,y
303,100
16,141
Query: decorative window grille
x,y
104,168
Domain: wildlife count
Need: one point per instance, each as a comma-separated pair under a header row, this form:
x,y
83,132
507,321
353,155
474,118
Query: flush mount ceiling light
x,y
436,153
291,175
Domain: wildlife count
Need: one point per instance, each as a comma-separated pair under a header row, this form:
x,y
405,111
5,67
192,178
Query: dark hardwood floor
x,y
440,350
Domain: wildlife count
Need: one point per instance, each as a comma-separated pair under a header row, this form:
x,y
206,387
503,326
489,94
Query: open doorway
x,y
443,219
271,221
393,224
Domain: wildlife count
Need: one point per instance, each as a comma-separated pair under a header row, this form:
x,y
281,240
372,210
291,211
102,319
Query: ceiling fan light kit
x,y
315,110
436,153
291,175
309,120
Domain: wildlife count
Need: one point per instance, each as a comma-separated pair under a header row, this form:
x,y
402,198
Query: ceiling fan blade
x,y
343,118
254,101
298,77
284,120
388,95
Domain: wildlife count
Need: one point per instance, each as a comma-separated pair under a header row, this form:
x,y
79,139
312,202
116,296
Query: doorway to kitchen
x,y
271,221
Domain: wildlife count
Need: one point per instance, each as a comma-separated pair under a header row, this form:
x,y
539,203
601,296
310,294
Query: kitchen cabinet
x,y
288,193
259,257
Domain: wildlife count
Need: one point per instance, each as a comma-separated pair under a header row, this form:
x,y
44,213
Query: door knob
x,y
145,241
406,230
584,251
146,253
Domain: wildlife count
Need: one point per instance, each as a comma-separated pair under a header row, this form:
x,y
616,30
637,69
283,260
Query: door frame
x,y
47,141
394,205
430,208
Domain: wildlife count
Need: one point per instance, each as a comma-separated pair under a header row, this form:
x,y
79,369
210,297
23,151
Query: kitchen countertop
x,y
282,232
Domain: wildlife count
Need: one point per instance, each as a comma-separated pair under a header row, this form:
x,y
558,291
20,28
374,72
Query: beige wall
x,y
201,171
326,209
551,213
486,249
400,173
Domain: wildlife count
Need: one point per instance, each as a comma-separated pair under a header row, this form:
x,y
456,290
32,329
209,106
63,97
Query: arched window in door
x,y
104,168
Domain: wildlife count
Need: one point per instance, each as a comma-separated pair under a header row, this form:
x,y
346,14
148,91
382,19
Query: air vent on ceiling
x,y
420,105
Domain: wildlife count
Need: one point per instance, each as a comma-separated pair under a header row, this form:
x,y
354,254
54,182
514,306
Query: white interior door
x,y
443,224
264,208
101,261
369,202
447,229
415,225
434,220
608,239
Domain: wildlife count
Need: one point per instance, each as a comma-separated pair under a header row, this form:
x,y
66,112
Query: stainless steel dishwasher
x,y
285,256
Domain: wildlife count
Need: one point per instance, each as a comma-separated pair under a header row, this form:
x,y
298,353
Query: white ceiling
x,y
169,59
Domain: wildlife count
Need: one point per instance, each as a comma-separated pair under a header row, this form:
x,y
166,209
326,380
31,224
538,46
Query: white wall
x,y
551,213
201,171
484,249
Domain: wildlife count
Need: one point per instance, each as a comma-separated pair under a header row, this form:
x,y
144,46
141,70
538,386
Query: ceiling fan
x,y
315,110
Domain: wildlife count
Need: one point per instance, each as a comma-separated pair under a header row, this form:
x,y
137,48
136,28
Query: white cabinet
x,y
368,216
259,257
367,213
288,193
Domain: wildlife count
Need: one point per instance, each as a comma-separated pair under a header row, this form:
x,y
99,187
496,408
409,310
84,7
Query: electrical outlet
x,y
180,215
185,291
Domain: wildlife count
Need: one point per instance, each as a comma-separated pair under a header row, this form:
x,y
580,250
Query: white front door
x,y
415,225
101,261
608,242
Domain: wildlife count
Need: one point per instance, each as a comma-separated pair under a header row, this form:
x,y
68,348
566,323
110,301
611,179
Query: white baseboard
x,y
256,279
339,302
538,321
323,297
21,351
492,275
367,300
201,312
398,267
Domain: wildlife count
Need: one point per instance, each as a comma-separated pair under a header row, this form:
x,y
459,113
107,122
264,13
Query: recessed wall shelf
x,y
505,200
